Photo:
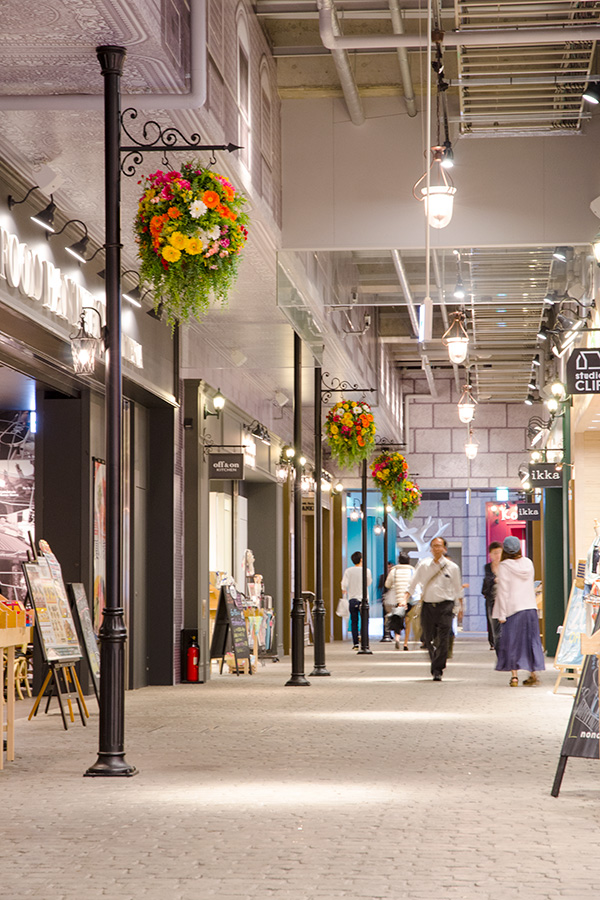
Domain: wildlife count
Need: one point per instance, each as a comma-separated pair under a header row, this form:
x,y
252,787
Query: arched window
x,y
243,88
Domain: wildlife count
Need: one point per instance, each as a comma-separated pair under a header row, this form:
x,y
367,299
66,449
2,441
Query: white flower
x,y
197,209
214,233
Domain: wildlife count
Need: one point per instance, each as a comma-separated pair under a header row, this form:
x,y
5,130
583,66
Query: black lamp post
x,y
298,614
319,606
364,605
111,755
386,638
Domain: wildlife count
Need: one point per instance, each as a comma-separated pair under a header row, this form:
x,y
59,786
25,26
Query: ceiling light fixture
x,y
529,399
448,156
562,253
466,405
439,196
542,334
456,338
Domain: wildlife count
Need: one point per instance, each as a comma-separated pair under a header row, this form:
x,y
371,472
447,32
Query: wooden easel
x,y
66,670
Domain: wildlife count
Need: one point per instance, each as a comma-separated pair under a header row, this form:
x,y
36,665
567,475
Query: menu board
x,y
230,624
54,621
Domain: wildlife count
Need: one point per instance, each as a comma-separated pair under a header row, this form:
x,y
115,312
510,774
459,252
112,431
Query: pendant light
x,y
456,338
471,445
466,405
439,196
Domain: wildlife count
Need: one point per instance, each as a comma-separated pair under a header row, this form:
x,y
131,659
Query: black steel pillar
x,y
298,613
318,606
111,756
386,631
364,606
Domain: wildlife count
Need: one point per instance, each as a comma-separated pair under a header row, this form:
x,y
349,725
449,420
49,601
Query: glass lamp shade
x,y
552,404
439,201
466,412
457,349
471,448
84,353
219,400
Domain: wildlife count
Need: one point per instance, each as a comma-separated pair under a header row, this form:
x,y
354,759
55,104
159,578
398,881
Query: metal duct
x,y
342,65
407,84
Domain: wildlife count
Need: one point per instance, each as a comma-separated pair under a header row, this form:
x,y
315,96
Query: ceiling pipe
x,y
407,84
194,99
343,68
404,284
489,37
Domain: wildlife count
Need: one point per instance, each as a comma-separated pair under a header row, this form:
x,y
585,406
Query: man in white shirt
x,y
441,587
352,586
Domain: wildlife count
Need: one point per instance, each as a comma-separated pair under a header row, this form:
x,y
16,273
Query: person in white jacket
x,y
516,609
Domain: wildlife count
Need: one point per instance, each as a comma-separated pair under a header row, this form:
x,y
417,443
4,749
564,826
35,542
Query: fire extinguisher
x,y
193,658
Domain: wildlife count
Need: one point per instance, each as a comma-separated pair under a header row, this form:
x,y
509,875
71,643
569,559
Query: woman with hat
x,y
516,609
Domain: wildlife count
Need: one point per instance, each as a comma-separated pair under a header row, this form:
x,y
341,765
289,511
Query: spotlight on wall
x,y
45,217
79,248
563,253
448,156
528,401
261,433
591,93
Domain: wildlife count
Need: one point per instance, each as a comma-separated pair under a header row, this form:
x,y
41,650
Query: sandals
x,y
514,681
533,679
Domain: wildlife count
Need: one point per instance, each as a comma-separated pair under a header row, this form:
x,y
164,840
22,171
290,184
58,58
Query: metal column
x,y
319,606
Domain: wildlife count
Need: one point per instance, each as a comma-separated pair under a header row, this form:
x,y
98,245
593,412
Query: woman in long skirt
x,y
516,610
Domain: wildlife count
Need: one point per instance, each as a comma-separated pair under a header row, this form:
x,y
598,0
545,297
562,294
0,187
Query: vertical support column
x,y
553,577
364,606
111,756
319,606
386,631
298,614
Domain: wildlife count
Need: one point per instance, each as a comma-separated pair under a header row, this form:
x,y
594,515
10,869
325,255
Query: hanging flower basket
x,y
350,430
389,471
190,228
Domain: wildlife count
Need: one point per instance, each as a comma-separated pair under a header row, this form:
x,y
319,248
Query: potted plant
x,y
389,471
350,432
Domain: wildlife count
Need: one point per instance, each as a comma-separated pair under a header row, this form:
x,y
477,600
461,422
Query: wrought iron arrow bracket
x,y
156,139
338,386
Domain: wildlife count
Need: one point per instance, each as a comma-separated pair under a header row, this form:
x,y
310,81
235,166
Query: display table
x,y
9,639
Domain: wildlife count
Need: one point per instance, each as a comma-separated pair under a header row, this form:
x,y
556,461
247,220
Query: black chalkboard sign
x,y
81,612
230,628
582,737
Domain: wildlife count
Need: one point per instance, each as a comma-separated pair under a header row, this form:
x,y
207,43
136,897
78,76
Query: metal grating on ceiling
x,y
523,89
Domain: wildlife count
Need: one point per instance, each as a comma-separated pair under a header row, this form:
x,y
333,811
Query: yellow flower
x,y
171,254
194,246
178,240
334,429
353,403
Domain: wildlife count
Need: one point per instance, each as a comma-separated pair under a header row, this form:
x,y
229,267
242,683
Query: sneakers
x,y
355,647
437,677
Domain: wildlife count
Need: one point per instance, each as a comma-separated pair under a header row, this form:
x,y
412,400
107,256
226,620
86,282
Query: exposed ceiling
x,y
493,89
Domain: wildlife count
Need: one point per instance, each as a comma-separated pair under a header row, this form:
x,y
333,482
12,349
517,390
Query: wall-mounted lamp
x,y
378,527
456,338
591,93
261,433
563,253
289,452
218,404
135,295
79,248
355,513
45,217
85,345
338,487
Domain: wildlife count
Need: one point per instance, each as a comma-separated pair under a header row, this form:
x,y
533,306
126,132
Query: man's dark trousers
x,y
436,622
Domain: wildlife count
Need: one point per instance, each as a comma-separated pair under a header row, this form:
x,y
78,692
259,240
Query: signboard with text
x,y
529,512
545,475
583,372
229,466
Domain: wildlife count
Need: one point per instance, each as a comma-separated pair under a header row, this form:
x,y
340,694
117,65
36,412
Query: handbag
x,y
343,608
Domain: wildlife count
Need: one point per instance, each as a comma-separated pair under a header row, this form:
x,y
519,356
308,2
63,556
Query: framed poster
x,y
81,609
56,628
99,560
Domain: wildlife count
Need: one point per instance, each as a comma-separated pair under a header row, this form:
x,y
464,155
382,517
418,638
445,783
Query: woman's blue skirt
x,y
520,643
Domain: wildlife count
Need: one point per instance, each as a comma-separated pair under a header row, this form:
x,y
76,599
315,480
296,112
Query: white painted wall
x,y
350,187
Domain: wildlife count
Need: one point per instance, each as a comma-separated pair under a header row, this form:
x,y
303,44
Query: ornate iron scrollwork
x,y
339,386
155,138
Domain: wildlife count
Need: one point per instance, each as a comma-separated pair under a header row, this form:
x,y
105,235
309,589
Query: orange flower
x,y
360,440
173,212
210,199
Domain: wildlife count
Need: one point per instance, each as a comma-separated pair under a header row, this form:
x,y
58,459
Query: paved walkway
x,y
373,783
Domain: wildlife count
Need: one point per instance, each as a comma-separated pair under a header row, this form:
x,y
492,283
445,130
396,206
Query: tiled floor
x,y
373,783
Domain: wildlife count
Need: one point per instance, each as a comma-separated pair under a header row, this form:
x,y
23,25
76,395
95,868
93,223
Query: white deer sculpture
x,y
419,534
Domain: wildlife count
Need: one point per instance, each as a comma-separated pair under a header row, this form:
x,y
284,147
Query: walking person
x,y
440,582
352,586
397,582
488,589
516,610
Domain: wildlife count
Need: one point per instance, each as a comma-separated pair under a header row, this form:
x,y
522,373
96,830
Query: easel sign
x,y
230,627
81,610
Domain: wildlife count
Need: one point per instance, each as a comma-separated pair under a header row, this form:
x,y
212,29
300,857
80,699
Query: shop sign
x,y
583,372
545,475
229,466
529,512
43,282
308,503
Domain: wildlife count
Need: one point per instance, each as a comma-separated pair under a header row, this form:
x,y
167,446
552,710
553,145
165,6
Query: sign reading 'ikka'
x,y
545,475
